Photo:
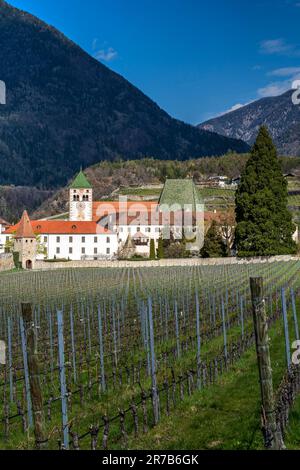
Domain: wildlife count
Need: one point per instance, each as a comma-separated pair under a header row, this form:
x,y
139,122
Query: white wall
x,y
94,245
51,243
2,240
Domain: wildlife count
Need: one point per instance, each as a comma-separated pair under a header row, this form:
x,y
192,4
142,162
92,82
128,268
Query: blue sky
x,y
195,58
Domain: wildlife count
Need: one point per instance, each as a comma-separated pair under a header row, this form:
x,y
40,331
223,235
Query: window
x,y
148,229
83,239
121,229
95,251
95,239
138,229
83,251
57,250
107,239
157,230
45,239
70,251
108,251
70,239
57,239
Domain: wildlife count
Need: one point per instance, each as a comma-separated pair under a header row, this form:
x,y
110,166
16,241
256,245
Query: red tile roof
x,y
24,229
61,227
110,207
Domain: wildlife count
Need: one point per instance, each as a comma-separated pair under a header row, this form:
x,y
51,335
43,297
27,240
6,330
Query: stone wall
x,y
6,262
43,265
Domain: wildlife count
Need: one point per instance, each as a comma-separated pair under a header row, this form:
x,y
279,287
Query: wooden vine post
x,y
272,434
34,378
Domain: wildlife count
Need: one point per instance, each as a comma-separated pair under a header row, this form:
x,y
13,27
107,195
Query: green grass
x,y
292,440
226,415
142,192
294,200
63,216
216,192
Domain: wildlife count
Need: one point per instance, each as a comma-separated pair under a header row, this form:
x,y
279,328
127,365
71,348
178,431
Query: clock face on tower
x,y
80,210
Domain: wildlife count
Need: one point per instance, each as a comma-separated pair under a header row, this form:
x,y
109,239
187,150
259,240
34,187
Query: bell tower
x,y
81,199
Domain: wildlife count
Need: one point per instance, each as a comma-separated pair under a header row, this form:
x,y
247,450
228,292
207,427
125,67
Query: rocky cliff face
x,y
279,114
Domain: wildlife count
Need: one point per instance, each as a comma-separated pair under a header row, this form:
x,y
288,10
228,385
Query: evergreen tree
x,y
160,248
264,224
152,249
213,247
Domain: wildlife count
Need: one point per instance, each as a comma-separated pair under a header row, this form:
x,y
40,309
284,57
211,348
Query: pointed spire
x,y
25,228
80,182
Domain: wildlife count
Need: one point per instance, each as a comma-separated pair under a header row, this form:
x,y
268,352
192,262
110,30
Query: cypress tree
x,y
160,248
264,223
152,249
213,247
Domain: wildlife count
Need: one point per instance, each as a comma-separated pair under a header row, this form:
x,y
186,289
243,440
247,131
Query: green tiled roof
x,y
180,192
80,182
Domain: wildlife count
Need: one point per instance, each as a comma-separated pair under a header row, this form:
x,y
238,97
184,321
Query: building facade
x,y
99,230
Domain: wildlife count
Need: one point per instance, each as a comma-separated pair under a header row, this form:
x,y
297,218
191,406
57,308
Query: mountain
x,y
65,109
279,114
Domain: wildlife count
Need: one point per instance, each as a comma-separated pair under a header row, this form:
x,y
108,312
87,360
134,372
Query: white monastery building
x,y
100,230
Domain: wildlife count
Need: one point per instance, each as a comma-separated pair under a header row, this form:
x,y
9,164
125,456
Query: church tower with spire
x,y
81,199
25,243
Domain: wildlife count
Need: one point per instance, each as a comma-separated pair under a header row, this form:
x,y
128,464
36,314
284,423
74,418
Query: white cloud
x,y
285,72
107,55
94,43
235,107
256,67
276,88
279,47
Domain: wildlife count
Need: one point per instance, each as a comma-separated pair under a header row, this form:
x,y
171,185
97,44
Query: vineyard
x,y
120,349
